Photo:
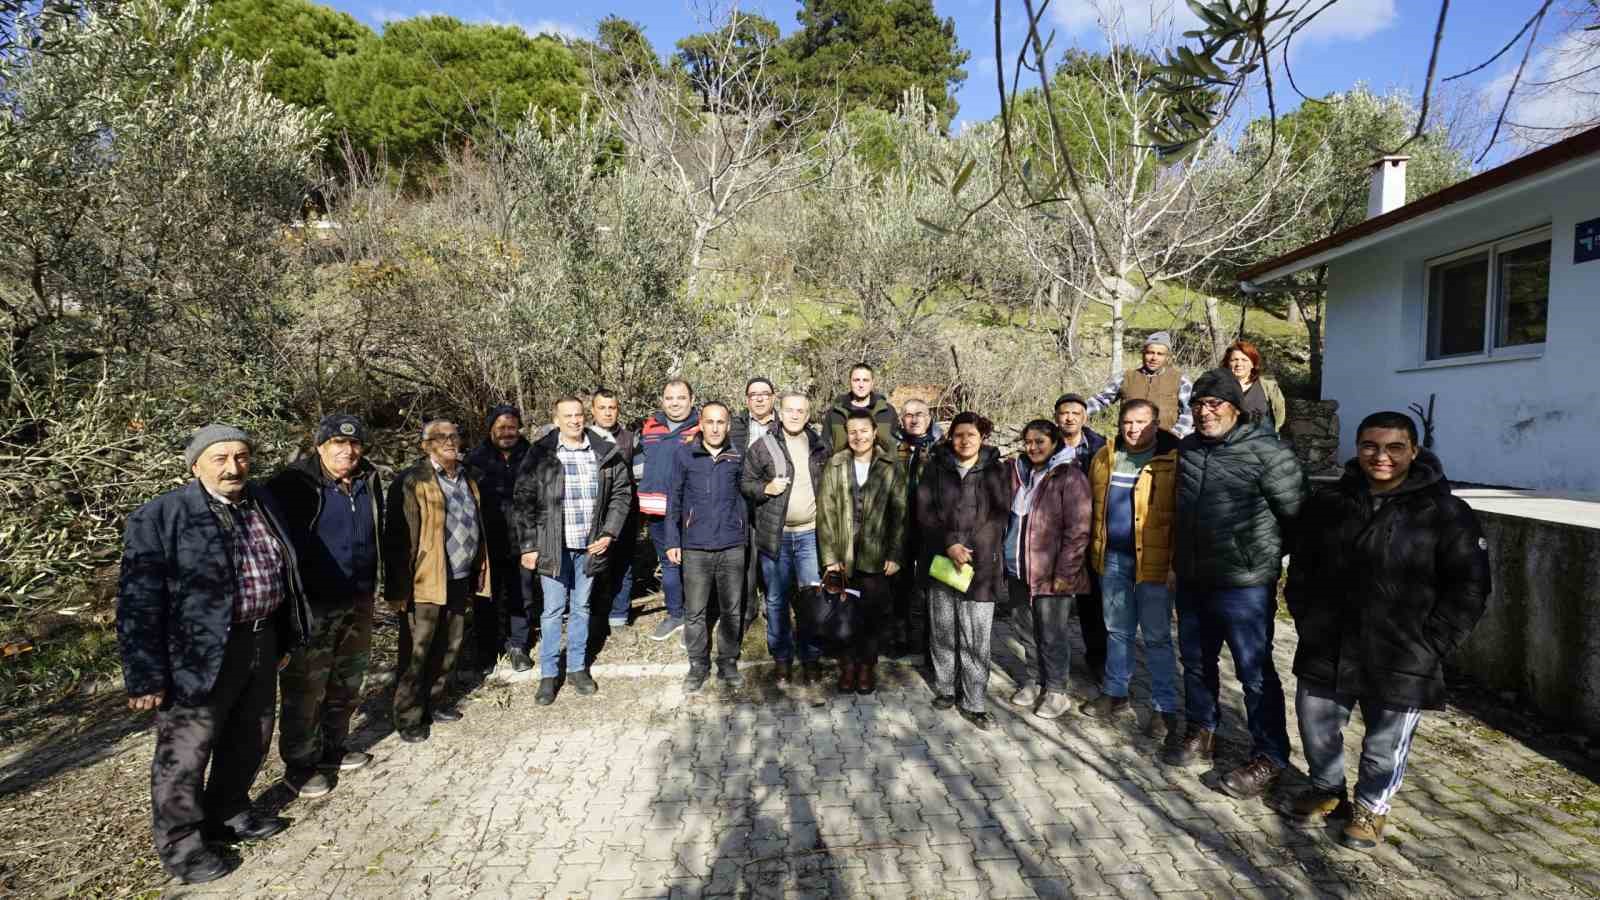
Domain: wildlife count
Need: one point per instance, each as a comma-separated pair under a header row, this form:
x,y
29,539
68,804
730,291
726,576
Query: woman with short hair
x,y
1263,399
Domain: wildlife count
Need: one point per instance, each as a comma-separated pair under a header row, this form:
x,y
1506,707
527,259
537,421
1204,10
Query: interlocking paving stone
x,y
758,794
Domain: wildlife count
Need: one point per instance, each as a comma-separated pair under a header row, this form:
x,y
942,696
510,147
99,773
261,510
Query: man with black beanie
x,y
1239,491
497,461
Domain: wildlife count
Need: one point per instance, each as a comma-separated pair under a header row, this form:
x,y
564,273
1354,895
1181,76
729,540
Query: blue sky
x,y
1382,42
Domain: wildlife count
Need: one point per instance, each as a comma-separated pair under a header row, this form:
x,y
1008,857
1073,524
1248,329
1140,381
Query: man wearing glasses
x,y
759,419
436,557
918,435
1239,490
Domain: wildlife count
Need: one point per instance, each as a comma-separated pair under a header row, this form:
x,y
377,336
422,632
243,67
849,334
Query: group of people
x,y
231,588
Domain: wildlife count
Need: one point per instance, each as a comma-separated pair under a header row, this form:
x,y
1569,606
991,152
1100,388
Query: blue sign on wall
x,y
1587,244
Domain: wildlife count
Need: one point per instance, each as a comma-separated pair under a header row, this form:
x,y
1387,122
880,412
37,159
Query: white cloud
x,y
1349,20
564,30
1559,93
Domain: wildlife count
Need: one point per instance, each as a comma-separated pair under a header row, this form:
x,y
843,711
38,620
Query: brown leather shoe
x,y
847,677
1316,804
782,672
1364,830
1250,779
866,678
1105,706
1196,746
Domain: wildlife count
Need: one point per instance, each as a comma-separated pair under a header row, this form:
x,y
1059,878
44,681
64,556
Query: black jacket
x,y
540,524
497,481
972,511
1237,499
1383,587
298,490
883,413
174,608
739,430
1087,448
759,468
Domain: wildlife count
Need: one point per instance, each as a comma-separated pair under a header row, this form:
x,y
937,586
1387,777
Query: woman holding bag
x,y
1045,546
861,527
963,502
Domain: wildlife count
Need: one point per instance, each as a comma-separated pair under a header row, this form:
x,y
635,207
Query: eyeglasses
x,y
1208,404
916,415
755,395
448,438
1393,451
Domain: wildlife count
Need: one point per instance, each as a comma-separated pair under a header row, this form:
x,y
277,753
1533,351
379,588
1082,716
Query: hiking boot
x,y
728,674
337,760
866,678
1028,696
547,692
1364,830
1105,706
520,661
1316,803
1197,745
1054,705
695,680
582,683
307,782
668,627
1250,779
781,673
1161,724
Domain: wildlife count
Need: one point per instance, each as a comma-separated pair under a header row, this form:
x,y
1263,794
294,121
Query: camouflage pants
x,y
322,685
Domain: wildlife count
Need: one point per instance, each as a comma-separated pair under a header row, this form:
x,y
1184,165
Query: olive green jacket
x,y
880,535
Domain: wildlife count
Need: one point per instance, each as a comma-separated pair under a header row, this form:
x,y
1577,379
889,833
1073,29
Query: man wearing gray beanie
x,y
1156,381
208,604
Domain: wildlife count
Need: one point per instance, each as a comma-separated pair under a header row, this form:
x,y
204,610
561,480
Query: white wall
x,y
1531,422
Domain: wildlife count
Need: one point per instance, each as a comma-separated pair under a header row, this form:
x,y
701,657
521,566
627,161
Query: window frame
x,y
1493,308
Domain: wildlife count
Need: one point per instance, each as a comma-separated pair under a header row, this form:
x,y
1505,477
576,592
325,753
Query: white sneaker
x,y
1028,696
1055,704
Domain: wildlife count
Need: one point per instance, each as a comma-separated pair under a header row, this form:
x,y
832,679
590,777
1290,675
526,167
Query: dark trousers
x,y
1040,624
516,594
911,603
703,570
430,640
877,604
230,732
1242,618
671,572
1092,622
322,685
619,583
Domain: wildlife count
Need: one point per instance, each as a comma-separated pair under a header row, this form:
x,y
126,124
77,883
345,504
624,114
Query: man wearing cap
x,y
1239,491
208,603
436,554
496,462
332,503
1155,381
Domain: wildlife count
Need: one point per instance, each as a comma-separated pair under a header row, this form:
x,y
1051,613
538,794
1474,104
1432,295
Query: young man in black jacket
x,y
1388,576
498,460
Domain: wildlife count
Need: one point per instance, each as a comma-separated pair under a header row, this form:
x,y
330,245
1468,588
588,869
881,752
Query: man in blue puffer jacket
x,y
676,422
706,526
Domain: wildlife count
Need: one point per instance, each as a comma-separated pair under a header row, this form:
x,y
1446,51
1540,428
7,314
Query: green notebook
x,y
948,573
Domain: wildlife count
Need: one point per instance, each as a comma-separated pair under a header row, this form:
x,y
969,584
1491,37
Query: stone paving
x,y
642,792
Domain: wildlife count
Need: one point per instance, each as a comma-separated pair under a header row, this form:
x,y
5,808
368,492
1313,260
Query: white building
x,y
1485,295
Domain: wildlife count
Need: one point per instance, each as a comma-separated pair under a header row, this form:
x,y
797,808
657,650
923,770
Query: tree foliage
x,y
298,38
872,51
433,82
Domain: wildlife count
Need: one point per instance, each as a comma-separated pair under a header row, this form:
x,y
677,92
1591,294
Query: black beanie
x,y
1221,385
495,412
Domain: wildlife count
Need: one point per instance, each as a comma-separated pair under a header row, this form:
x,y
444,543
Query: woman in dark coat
x,y
963,501
1389,575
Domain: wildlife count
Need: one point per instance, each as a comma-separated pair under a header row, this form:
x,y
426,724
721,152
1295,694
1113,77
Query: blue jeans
x,y
795,565
567,594
1243,618
671,572
1147,607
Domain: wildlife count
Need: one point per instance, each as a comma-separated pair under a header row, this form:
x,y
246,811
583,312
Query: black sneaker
x,y
520,662
340,760
695,680
979,720
667,628
446,714
729,675
307,782
944,701
582,683
547,692
206,866
414,735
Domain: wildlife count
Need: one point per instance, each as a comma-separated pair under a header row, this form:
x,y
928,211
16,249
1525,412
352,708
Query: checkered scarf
x,y
580,492
460,523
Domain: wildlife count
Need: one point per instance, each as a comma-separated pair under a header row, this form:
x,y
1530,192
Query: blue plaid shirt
x,y
580,491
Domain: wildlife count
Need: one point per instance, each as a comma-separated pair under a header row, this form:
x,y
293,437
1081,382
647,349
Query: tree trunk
x,y
1118,326
1216,329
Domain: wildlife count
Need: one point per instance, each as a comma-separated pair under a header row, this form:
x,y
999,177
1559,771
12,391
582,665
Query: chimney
x,y
1388,185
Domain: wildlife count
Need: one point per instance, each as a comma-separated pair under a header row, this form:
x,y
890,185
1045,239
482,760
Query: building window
x,y
1489,298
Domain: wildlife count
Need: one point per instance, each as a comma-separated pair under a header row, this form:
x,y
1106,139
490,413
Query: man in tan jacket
x,y
436,553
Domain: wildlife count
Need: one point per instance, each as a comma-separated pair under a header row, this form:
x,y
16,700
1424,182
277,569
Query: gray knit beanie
x,y
1160,337
214,434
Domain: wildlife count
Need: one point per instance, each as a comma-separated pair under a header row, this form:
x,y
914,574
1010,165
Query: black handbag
x,y
829,613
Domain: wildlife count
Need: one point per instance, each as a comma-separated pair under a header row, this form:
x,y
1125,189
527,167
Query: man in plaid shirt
x,y
208,607
573,498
